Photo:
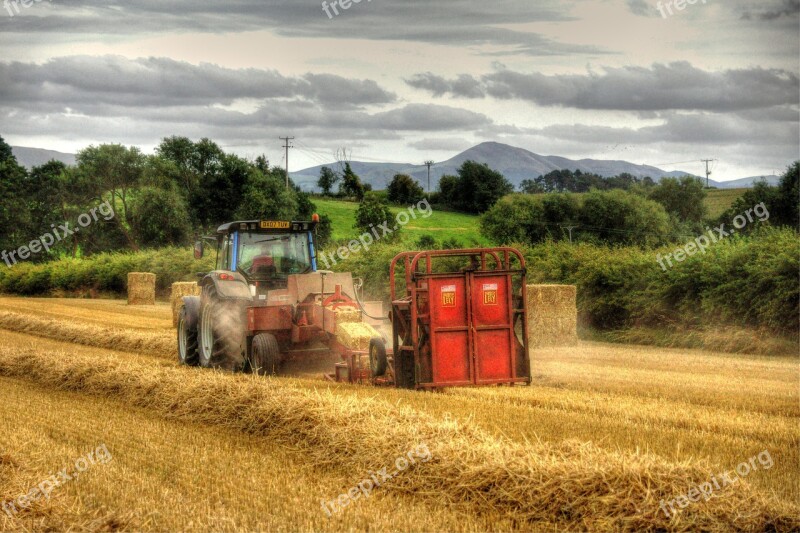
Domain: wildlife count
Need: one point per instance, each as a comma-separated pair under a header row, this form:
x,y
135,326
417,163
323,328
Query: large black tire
x,y
221,332
377,357
265,357
188,345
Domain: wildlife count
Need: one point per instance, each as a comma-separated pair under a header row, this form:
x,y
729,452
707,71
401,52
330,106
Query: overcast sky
x,y
409,80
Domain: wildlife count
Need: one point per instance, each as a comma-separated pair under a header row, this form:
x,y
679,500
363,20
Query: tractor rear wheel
x,y
377,357
188,345
222,332
265,358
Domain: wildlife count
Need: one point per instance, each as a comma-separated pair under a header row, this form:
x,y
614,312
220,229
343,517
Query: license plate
x,y
271,224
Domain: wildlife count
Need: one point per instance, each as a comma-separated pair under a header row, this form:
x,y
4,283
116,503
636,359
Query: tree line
x,y
163,199
671,211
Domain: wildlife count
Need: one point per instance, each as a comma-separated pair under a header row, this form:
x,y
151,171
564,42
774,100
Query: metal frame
x,y
406,311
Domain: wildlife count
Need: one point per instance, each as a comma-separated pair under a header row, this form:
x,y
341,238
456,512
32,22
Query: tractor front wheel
x,y
265,358
188,346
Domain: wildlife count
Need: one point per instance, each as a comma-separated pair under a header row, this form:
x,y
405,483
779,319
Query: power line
x,y
675,163
314,154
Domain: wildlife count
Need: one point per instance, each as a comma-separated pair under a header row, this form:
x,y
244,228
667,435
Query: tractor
x,y
266,303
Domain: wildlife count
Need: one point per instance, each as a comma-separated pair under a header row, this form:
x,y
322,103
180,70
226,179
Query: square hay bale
x,y
141,288
179,290
347,314
552,315
355,335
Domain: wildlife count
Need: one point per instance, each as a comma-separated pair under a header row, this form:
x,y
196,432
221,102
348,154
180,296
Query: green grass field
x,y
441,225
445,225
719,200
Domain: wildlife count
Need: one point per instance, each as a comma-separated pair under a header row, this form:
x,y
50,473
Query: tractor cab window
x,y
224,253
266,256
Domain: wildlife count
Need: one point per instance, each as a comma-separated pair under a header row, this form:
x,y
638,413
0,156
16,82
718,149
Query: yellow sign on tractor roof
x,y
275,224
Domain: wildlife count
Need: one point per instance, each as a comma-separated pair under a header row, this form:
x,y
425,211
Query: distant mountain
x,y
746,183
33,157
516,164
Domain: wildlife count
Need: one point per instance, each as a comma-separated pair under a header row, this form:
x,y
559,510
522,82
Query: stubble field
x,y
604,434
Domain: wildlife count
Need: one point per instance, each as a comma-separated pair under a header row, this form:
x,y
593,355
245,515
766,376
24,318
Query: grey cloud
x,y
441,144
455,23
428,117
76,80
697,129
641,8
787,8
661,87
464,85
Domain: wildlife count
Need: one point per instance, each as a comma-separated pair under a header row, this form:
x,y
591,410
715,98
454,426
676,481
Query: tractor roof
x,y
267,226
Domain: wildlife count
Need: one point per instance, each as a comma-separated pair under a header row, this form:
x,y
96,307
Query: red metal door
x,y
492,328
472,337
451,347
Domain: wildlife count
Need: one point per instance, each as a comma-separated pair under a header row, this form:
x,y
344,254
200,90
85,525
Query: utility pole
x,y
428,164
287,145
708,172
570,228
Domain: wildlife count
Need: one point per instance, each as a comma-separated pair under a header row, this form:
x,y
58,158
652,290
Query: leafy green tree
x,y
531,187
405,190
266,196
211,181
523,218
782,203
683,198
160,217
112,172
351,186
787,208
481,186
327,180
621,217
51,200
622,181
510,219
14,213
448,190
476,189
371,213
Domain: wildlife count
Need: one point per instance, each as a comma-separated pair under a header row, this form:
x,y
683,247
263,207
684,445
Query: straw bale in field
x,y
552,315
355,335
179,290
141,288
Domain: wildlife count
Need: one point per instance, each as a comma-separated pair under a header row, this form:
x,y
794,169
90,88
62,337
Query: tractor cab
x,y
266,252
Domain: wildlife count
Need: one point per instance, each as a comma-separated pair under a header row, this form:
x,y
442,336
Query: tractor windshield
x,y
267,256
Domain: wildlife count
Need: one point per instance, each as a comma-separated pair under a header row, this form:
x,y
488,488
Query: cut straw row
x,y
575,486
156,342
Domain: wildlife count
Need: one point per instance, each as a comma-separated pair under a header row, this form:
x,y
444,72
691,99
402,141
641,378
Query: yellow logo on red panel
x,y
448,296
490,294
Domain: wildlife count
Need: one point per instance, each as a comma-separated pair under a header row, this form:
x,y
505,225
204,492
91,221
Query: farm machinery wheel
x,y
265,358
377,357
221,332
188,345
